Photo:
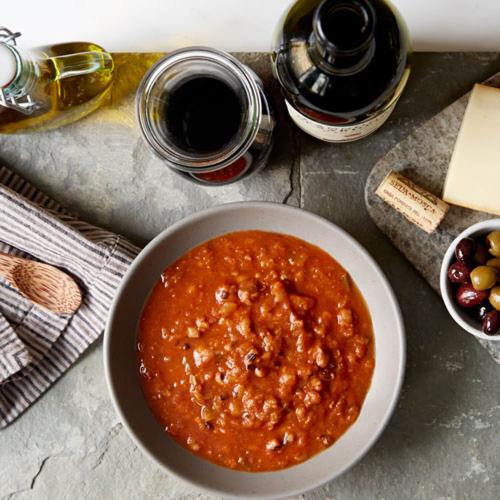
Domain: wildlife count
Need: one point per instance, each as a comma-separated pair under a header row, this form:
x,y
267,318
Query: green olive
x,y
493,240
495,297
495,262
483,277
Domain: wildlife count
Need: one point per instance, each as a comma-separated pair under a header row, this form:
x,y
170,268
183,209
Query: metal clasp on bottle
x,y
24,104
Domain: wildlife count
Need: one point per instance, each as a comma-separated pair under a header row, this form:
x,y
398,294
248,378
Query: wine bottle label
x,y
338,133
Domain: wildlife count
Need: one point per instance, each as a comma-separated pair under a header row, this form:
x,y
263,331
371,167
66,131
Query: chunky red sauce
x,y
255,351
226,173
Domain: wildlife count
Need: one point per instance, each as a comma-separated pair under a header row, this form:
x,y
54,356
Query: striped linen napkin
x,y
38,346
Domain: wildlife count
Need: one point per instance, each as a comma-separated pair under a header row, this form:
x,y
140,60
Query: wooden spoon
x,y
43,284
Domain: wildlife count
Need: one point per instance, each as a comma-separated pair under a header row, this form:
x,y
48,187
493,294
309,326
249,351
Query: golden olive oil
x,y
67,81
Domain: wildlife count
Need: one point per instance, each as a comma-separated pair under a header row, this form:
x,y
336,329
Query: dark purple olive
x,y
468,297
481,254
465,249
481,311
491,323
459,272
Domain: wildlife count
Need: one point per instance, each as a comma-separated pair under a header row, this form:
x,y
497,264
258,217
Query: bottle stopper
x,y
8,66
416,204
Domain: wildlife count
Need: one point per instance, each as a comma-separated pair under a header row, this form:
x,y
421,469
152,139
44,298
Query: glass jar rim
x,y
211,161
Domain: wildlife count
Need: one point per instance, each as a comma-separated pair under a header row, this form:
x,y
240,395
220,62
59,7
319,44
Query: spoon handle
x,y
7,266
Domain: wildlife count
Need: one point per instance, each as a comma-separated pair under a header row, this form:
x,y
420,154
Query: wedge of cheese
x,y
473,178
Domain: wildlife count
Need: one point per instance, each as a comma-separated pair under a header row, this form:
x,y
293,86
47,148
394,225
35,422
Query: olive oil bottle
x,y
51,86
342,65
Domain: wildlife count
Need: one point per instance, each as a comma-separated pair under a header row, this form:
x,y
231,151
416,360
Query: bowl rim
x,y
395,310
445,286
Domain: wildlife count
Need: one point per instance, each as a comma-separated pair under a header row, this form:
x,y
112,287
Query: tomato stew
x,y
255,351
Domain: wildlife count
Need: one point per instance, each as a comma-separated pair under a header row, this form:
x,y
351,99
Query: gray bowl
x,y
120,355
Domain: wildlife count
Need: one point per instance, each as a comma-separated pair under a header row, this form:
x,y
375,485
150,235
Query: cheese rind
x,y
473,178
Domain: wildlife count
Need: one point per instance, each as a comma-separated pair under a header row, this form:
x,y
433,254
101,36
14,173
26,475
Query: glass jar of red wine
x,y
342,65
206,115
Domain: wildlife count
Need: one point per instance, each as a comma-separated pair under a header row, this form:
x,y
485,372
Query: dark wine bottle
x,y
342,65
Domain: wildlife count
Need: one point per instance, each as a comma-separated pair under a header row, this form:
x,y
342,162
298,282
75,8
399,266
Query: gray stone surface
x,y
442,441
424,157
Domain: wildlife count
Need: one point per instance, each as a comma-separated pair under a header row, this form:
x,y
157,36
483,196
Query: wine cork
x,y
419,206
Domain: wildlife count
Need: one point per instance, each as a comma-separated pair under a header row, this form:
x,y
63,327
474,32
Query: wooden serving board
x,y
424,157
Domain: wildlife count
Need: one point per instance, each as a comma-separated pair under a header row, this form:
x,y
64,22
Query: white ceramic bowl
x,y
458,314
120,356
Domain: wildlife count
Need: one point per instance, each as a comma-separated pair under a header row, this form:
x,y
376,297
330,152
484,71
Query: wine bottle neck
x,y
342,40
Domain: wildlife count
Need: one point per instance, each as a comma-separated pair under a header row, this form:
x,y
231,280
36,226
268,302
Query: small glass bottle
x,y
51,86
342,65
206,115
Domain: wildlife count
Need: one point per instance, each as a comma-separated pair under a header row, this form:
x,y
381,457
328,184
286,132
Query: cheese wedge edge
x,y
473,178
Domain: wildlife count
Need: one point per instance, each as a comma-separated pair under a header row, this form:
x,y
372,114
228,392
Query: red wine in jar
x,y
342,65
203,115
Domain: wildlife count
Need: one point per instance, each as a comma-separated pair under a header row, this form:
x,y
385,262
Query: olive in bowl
x,y
470,279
